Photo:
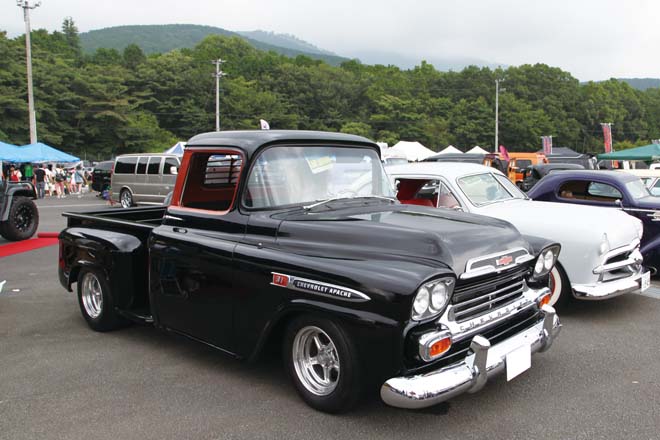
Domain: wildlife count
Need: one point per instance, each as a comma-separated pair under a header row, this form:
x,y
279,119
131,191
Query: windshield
x,y
285,176
637,189
482,189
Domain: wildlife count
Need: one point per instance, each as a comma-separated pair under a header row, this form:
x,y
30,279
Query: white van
x,y
144,179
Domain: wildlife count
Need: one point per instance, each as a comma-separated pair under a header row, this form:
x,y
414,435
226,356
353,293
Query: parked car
x,y
600,255
102,175
143,179
519,162
534,173
19,217
267,240
650,177
609,189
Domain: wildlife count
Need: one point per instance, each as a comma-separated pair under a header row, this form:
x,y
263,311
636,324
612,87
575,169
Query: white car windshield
x,y
482,189
637,189
300,175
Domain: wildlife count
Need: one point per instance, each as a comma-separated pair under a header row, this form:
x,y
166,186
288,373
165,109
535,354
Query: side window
x,y
169,163
154,165
573,189
603,192
212,181
426,192
142,165
125,165
655,189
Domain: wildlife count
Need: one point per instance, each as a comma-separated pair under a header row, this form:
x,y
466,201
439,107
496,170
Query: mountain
x,y
408,61
285,40
163,38
641,83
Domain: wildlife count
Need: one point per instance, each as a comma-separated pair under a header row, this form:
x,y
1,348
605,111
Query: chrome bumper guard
x,y
470,374
609,289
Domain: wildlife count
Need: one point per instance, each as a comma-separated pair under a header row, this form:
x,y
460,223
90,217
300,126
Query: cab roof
x,y
251,140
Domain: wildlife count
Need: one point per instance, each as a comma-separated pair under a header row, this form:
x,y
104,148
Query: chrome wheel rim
x,y
125,199
92,295
316,361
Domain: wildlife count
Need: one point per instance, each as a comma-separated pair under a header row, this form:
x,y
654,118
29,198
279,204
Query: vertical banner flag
x,y
504,153
607,136
264,124
547,145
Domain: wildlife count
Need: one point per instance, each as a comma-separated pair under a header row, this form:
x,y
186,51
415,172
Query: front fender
x,y
23,189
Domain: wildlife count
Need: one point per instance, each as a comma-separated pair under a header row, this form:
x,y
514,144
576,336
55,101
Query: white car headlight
x,y
432,298
546,260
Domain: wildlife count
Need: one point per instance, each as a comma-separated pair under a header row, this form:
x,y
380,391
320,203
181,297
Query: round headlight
x,y
439,296
538,267
548,259
421,304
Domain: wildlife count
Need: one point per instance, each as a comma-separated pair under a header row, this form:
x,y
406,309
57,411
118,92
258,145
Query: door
x,y
169,173
154,181
192,254
140,180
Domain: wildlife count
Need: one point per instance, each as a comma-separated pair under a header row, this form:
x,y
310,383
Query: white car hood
x,y
566,223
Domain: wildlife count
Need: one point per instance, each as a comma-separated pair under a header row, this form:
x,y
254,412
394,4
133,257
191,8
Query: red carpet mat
x,y
17,247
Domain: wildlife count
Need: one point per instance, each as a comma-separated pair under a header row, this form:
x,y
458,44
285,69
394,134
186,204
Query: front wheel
x,y
322,363
22,222
560,287
95,300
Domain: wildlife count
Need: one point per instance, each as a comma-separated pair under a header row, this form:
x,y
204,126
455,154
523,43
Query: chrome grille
x,y
480,295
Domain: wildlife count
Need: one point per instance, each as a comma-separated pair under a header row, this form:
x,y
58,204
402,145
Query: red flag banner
x,y
607,136
547,145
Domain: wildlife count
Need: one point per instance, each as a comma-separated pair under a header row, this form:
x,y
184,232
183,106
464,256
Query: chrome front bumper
x,y
609,289
470,374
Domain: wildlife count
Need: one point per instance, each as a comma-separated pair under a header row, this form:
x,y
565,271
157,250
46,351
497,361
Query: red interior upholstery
x,y
421,202
408,188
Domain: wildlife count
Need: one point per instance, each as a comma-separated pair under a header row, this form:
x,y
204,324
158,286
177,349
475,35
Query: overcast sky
x,y
592,39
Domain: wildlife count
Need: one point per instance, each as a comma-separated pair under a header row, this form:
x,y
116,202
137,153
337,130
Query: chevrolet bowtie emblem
x,y
503,261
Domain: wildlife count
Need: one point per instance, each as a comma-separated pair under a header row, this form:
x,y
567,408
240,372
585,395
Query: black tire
x,y
559,285
348,384
126,198
100,314
23,220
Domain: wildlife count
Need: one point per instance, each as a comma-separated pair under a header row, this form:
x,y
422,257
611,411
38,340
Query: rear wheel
x,y
23,220
126,198
95,300
560,287
322,363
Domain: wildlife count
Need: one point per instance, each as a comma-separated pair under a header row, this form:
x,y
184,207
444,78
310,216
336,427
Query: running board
x,y
139,316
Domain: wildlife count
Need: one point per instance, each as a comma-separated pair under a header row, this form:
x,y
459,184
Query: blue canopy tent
x,y
40,152
8,152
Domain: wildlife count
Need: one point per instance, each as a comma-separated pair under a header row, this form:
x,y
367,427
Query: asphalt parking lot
x,y
60,380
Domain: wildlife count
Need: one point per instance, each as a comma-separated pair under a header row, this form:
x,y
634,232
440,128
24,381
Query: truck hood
x,y
436,238
567,223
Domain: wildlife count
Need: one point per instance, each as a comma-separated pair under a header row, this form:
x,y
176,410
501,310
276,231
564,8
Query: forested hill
x,y
167,37
642,83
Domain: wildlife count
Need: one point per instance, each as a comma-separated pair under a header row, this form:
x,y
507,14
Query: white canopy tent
x,y
476,150
176,149
413,151
450,150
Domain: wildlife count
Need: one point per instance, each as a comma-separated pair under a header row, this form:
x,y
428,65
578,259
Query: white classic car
x,y
599,257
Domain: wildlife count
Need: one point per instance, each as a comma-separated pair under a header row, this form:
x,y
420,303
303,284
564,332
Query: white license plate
x,y
518,361
646,281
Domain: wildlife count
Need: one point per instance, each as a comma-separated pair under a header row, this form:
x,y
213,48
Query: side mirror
x,y
174,170
619,203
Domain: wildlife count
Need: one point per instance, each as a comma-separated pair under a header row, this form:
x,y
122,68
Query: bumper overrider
x,y
605,288
470,374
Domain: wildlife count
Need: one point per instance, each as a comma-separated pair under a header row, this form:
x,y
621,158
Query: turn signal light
x,y
439,347
545,299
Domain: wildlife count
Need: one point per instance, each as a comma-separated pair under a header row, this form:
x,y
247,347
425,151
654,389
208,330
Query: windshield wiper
x,y
334,199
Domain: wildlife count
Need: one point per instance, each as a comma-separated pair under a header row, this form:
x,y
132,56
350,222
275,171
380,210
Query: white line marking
x,y
74,206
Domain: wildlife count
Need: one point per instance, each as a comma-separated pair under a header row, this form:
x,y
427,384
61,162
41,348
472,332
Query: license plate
x,y
518,361
646,281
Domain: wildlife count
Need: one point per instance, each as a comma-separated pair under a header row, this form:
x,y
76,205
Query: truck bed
x,y
143,219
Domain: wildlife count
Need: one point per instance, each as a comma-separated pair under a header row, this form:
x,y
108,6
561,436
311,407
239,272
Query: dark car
x,y
608,189
19,217
102,175
295,240
534,173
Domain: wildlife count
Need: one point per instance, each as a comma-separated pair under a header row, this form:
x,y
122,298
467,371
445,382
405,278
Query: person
x,y
28,172
14,174
60,178
50,179
78,178
39,180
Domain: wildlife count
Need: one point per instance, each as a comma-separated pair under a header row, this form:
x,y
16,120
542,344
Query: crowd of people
x,y
49,180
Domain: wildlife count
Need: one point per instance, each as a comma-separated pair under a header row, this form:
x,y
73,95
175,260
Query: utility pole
x,y
218,74
25,4
497,112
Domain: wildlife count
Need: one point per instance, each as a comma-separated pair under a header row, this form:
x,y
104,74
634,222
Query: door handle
x,y
180,230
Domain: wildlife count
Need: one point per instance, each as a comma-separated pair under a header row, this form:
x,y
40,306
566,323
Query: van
x,y
143,179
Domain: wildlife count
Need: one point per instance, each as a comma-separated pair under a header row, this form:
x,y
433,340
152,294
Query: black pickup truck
x,y
295,239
